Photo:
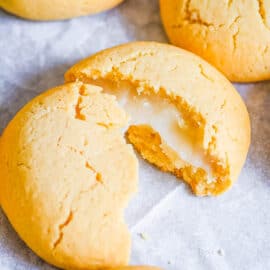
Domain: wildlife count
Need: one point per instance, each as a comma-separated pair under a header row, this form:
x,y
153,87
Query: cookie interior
x,y
165,131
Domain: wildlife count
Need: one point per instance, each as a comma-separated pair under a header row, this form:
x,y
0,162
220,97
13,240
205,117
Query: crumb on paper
x,y
221,252
143,236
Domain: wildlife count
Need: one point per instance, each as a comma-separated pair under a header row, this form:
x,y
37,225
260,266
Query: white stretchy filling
x,y
163,116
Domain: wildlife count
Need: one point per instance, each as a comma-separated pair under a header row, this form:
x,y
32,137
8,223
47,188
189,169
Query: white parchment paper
x,y
170,227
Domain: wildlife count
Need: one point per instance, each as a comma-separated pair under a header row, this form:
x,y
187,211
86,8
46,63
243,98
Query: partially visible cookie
x,y
186,117
56,9
133,268
67,174
234,36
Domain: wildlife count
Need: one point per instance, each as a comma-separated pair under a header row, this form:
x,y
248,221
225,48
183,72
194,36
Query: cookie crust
x,y
56,9
66,176
234,36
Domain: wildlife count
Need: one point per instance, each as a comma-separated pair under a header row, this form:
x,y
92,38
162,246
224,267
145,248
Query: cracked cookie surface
x,y
56,9
233,35
211,115
66,176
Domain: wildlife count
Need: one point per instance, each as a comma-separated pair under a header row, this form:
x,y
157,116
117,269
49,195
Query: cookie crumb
x,y
221,252
143,236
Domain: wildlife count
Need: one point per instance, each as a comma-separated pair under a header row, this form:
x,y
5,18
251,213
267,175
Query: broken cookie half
x,y
185,117
66,176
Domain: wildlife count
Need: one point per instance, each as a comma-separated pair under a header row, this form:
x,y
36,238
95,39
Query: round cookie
x,y
211,119
56,9
234,36
67,174
133,268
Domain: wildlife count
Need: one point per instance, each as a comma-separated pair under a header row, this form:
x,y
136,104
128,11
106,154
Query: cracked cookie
x,y
56,9
233,35
186,117
66,176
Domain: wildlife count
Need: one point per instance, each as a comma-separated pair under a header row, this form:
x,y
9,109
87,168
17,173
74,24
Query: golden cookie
x,y
133,268
234,36
66,175
56,9
187,118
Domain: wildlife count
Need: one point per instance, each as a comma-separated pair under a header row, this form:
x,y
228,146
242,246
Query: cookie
x,y
134,268
66,176
186,117
234,36
56,9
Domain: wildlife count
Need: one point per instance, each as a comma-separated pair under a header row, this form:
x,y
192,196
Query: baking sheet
x,y
170,227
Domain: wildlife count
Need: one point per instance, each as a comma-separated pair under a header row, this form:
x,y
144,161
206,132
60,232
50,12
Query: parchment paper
x,y
170,227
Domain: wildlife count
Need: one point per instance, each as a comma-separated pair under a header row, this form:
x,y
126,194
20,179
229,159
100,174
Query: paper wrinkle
x,y
183,231
154,208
